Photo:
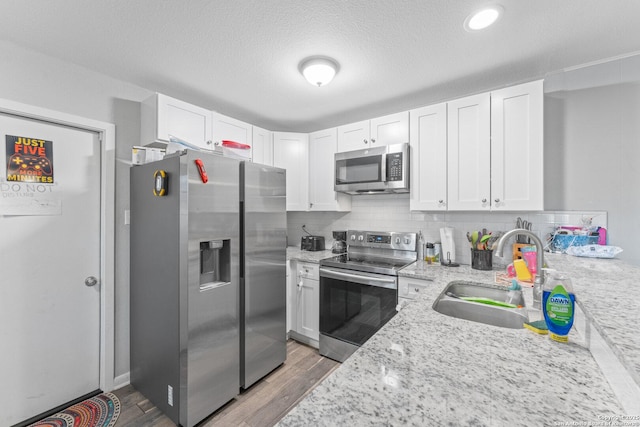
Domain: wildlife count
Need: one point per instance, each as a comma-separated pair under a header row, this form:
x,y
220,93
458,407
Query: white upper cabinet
x,y
428,158
322,197
495,150
386,130
517,140
262,147
230,129
162,116
291,152
469,153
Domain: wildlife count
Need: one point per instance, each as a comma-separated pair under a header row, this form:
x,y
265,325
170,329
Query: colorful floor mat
x,y
99,411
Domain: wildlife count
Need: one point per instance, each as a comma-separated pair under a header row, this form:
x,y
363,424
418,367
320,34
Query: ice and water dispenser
x,y
215,264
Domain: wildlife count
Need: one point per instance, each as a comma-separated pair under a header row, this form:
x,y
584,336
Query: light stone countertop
x,y
295,253
424,368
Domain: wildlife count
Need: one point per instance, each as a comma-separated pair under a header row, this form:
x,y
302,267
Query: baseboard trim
x,y
121,381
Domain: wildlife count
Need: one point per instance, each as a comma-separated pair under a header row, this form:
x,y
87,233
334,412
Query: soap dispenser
x,y
558,306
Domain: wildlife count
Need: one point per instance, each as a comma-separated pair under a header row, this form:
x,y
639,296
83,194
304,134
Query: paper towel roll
x,y
448,245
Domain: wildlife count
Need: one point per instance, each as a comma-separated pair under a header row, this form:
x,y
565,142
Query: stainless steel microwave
x,y
373,170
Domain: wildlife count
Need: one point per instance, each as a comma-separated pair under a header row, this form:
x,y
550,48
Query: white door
x,y
50,246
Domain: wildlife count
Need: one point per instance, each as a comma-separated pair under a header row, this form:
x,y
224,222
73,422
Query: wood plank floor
x,y
262,405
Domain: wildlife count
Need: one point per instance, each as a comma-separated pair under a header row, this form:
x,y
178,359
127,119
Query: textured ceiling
x,y
241,57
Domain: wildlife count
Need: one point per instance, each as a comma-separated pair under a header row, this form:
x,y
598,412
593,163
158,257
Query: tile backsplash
x,y
391,213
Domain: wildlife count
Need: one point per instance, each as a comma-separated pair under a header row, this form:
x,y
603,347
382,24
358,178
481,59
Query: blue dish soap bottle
x,y
558,305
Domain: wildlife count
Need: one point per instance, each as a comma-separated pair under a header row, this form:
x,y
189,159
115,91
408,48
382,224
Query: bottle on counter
x,y
558,306
420,246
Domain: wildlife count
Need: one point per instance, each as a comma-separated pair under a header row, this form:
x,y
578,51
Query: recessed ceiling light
x,y
318,71
482,18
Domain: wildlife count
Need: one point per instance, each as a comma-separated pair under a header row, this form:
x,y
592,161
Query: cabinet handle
x,y
497,200
484,200
211,142
373,141
441,201
365,141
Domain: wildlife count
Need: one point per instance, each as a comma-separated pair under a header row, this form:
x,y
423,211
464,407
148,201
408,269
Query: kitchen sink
x,y
480,312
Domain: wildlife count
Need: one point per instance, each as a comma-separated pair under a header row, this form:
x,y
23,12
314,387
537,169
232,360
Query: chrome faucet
x,y
539,280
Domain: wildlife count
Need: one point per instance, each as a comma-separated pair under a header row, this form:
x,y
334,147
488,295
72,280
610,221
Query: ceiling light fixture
x,y
318,70
482,18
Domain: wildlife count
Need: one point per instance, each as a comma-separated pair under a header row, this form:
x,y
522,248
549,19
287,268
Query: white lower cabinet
x,y
305,303
409,289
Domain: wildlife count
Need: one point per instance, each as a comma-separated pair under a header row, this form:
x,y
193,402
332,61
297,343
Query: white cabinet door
x,y
305,303
469,153
354,136
229,129
308,315
429,158
322,197
385,130
262,147
291,152
162,116
391,129
517,147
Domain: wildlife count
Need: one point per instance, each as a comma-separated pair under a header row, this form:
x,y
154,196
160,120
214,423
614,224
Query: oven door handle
x,y
378,281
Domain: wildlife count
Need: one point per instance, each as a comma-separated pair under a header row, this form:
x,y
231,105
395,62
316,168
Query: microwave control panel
x,y
394,167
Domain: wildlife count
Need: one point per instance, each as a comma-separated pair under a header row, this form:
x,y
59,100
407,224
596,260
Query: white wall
x,y
592,157
42,81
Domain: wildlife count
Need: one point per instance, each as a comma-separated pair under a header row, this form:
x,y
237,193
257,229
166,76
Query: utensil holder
x,y
481,260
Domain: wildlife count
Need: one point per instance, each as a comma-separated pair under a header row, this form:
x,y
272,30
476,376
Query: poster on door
x,y
29,160
28,187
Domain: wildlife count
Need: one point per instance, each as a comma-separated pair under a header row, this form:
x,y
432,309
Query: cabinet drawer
x,y
408,288
308,270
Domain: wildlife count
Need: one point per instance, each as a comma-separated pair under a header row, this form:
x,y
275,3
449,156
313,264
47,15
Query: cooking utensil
x,y
483,242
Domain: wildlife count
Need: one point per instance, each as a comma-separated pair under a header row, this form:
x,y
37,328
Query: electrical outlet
x,y
169,395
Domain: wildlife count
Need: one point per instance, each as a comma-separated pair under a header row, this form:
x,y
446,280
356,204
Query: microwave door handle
x,y
380,282
383,166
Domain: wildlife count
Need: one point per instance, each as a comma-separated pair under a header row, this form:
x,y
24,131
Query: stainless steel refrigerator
x,y
185,284
263,271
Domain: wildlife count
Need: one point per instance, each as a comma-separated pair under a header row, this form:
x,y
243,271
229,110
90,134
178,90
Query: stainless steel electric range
x,y
359,289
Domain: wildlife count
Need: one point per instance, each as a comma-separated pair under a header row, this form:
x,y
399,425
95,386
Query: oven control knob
x,y
407,240
361,238
353,237
397,240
